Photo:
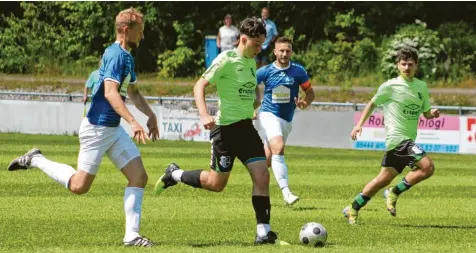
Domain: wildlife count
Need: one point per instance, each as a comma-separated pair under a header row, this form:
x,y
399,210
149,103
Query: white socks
x,y
60,172
280,171
177,175
262,229
133,209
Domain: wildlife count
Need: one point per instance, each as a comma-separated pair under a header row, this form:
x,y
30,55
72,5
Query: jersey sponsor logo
x,y
281,95
225,161
247,91
412,111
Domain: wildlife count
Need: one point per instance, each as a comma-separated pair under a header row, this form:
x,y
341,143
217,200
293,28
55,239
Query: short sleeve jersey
x,y
235,79
281,86
117,66
403,102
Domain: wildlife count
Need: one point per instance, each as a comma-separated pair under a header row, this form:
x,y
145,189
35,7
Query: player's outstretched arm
x,y
369,108
141,104
114,98
207,121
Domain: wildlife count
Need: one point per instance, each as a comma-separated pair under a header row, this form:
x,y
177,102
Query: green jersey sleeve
x,y
383,94
215,71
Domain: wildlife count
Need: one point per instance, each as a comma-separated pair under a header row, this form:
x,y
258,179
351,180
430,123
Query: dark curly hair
x,y
407,53
253,27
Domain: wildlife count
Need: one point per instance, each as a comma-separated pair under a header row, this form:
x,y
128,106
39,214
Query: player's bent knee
x,y
79,189
217,186
429,170
139,179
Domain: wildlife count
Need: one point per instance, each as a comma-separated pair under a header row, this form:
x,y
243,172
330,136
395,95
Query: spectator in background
x,y
228,34
271,35
93,79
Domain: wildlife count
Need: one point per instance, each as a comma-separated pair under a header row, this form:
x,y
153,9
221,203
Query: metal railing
x,y
161,100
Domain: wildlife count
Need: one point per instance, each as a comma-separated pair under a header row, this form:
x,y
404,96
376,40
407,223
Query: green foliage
x,y
346,53
181,62
50,35
335,41
424,40
459,41
348,26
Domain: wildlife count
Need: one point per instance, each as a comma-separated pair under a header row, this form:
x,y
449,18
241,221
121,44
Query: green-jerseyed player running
x,y
403,99
232,131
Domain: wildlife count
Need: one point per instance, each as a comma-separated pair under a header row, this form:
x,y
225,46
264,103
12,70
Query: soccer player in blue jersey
x,y
282,80
100,132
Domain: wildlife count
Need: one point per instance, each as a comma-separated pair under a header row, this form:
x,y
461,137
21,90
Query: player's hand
x,y
153,128
356,131
255,115
301,104
139,133
435,113
207,121
85,99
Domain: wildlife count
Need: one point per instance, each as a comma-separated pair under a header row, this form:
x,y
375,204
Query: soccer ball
x,y
313,234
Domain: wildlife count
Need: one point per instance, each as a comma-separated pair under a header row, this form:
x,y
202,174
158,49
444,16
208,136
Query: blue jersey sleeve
x,y
114,66
303,76
261,75
133,74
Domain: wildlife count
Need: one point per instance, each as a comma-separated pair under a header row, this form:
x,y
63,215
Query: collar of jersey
x,y
276,66
400,78
118,42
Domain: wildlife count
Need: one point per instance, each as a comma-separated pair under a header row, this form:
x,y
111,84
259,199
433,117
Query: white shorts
x,y
96,140
273,126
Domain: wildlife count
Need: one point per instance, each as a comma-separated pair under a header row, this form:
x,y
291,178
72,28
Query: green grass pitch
x,y
39,215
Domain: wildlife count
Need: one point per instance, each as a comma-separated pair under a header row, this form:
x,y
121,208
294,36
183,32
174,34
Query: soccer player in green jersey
x,y
403,99
232,131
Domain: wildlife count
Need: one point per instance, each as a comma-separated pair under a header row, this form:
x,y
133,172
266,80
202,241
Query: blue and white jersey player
x,y
282,80
100,132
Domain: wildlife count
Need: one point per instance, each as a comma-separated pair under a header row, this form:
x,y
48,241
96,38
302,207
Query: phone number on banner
x,y
379,145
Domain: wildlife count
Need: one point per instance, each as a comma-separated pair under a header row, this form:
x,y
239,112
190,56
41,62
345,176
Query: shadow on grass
x,y
437,226
243,244
308,208
224,243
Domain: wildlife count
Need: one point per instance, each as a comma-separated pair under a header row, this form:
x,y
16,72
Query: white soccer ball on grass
x,y
313,234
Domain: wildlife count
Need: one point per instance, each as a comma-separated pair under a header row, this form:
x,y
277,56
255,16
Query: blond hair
x,y
128,17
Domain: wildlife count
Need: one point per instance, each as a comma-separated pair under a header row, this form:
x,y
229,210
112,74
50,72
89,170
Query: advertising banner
x,y
181,125
435,135
468,135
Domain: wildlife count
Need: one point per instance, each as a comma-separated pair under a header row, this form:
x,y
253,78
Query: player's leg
x,y
250,151
125,155
61,173
276,132
268,153
92,147
222,159
391,167
424,168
